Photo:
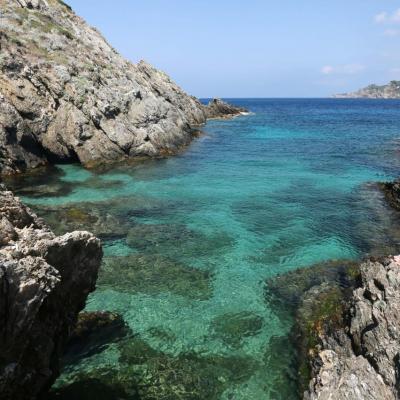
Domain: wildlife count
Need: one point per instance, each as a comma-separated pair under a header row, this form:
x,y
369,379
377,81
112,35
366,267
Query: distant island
x,y
389,91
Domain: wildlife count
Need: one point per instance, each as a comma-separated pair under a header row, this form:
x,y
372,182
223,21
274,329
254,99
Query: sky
x,y
256,48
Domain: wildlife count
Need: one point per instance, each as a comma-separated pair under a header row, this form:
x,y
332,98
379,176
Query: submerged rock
x,y
67,95
89,216
92,333
392,193
233,328
44,282
287,290
280,355
157,239
148,374
153,274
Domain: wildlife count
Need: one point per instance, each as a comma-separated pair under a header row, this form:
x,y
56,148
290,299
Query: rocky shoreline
x,y
67,95
389,91
44,282
60,75
347,324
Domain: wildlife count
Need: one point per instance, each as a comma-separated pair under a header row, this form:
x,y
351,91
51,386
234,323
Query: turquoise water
x,y
190,240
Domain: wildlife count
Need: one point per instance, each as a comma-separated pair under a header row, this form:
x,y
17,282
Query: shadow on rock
x,y
93,332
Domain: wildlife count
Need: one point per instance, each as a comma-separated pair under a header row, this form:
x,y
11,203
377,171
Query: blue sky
x,y
256,48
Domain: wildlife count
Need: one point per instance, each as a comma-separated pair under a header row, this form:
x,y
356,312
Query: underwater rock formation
x,y
147,374
93,332
67,95
392,193
152,273
44,283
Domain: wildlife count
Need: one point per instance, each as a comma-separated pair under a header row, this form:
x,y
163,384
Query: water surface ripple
x,y
190,240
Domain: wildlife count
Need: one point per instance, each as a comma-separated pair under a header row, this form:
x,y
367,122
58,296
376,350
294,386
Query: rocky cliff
x,y
389,91
44,282
67,95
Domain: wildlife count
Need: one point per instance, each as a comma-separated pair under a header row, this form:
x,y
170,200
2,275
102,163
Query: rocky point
x,y
67,95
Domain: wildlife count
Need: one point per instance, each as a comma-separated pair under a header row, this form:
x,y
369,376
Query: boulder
x,y
44,283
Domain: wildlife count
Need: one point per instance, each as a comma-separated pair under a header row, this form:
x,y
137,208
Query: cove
x,y
190,241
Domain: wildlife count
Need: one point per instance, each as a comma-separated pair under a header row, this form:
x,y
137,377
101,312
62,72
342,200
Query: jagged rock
x,y
44,282
350,378
359,358
217,108
66,94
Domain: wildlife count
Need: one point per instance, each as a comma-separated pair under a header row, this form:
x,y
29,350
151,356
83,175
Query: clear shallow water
x,y
190,240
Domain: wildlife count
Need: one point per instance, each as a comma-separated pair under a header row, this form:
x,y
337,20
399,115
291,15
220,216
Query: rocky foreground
x,y
389,91
347,327
67,95
44,282
359,359
347,324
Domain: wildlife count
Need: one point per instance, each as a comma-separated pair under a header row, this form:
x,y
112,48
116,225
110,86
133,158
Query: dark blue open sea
x,y
190,241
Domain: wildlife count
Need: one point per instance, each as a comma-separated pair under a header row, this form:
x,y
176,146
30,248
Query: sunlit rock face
x,y
44,282
348,335
66,94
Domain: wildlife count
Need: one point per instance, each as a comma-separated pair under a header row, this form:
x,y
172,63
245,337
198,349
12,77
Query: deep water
x,y
190,241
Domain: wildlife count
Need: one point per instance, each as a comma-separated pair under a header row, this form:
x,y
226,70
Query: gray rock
x,y
217,108
389,91
44,282
67,95
364,363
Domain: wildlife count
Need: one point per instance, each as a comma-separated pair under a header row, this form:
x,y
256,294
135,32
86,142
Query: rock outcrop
x,y
67,95
389,91
217,108
355,350
44,283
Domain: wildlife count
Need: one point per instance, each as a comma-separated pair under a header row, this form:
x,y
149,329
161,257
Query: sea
x,y
192,241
